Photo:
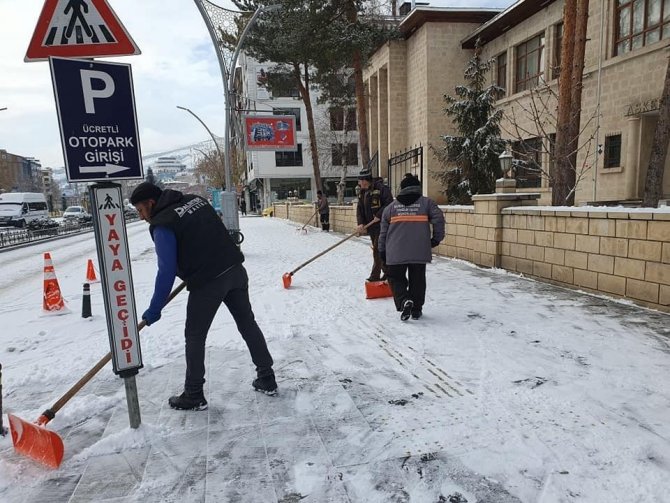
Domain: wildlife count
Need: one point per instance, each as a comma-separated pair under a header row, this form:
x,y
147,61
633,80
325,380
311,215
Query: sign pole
x,y
133,401
117,288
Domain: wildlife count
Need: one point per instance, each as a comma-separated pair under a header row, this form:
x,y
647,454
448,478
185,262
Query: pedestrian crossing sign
x,y
79,29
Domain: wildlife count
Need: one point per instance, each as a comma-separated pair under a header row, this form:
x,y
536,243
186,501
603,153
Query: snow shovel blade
x,y
36,442
286,279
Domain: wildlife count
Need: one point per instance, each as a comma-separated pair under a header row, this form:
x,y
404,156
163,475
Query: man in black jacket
x,y
372,199
191,242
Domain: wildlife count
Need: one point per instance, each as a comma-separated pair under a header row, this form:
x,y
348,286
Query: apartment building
x,y
625,64
279,175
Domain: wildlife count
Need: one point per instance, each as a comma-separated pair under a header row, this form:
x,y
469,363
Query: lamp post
x,y
216,144
229,196
506,163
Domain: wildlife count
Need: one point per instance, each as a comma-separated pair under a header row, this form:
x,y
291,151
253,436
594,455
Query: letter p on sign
x,y
90,94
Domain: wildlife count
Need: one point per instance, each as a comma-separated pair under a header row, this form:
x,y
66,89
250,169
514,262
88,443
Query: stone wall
x,y
615,251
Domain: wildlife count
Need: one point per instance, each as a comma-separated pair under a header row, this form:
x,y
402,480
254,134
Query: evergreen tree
x,y
471,164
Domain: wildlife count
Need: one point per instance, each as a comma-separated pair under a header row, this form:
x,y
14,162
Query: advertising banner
x,y
273,132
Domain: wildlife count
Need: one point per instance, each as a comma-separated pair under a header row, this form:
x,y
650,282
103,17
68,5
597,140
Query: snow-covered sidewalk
x,y
506,390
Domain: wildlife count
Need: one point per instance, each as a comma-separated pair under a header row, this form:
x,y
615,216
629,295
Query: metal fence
x,y
410,161
13,237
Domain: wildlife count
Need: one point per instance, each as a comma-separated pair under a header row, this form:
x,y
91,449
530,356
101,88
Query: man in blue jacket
x,y
191,242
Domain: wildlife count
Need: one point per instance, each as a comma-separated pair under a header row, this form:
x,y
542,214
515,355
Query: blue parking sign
x,y
98,123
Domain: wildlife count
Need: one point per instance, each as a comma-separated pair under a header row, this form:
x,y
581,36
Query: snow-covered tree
x,y
470,159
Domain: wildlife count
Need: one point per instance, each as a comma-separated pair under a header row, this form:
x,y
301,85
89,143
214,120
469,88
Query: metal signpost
x,y
96,112
117,287
99,133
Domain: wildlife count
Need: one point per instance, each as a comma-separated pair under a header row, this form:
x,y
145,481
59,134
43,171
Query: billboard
x,y
276,132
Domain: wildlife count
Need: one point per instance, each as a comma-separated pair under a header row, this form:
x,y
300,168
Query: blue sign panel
x,y
98,125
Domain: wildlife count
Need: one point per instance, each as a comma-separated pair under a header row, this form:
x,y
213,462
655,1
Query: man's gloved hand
x,y
382,255
434,242
151,316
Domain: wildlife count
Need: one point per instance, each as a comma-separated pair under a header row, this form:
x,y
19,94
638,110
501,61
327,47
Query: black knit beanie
x,y
409,181
145,191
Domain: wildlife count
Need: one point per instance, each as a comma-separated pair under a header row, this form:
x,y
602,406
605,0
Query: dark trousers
x,y
378,265
231,288
408,281
325,221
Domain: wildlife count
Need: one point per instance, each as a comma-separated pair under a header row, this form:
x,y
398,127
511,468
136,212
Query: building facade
x,y
279,175
167,168
19,174
625,64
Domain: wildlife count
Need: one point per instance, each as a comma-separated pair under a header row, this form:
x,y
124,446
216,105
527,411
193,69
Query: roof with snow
x,y
510,17
429,14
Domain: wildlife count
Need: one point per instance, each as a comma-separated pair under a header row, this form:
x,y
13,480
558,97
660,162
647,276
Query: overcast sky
x,y
177,66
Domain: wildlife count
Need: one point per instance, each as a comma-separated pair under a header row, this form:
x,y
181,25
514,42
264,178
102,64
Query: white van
x,y
21,208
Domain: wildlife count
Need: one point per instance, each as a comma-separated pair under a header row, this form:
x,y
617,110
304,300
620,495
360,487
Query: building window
x,y
282,85
341,121
345,154
558,41
501,72
612,151
639,23
529,63
528,162
290,158
295,112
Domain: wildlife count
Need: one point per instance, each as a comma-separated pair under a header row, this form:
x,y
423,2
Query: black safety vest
x,y
204,247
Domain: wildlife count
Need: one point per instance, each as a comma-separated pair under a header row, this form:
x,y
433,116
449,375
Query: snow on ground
x,y
507,389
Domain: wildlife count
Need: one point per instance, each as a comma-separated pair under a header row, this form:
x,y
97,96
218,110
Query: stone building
x,y
625,64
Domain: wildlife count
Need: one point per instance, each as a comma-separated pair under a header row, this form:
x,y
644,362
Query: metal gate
x,y
410,161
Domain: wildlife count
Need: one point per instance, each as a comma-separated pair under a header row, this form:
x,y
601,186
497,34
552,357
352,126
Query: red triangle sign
x,y
79,29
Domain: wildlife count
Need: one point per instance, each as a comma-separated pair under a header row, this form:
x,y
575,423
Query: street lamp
x,y
216,144
506,163
229,196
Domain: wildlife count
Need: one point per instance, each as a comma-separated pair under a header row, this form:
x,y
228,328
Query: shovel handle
x,y
50,413
355,233
310,219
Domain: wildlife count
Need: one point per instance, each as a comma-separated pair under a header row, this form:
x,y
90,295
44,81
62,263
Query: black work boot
x,y
188,401
406,310
266,384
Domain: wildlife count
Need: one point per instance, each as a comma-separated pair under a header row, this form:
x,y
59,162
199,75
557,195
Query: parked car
x,y
77,213
21,208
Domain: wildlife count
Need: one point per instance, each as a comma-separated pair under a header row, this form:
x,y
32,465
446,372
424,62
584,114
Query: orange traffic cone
x,y
53,300
90,273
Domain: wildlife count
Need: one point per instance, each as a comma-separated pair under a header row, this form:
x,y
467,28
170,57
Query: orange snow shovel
x,y
286,278
44,446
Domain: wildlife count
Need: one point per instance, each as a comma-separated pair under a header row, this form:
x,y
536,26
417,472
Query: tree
x,y
357,35
336,131
293,38
471,164
573,46
311,42
210,167
531,127
659,148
